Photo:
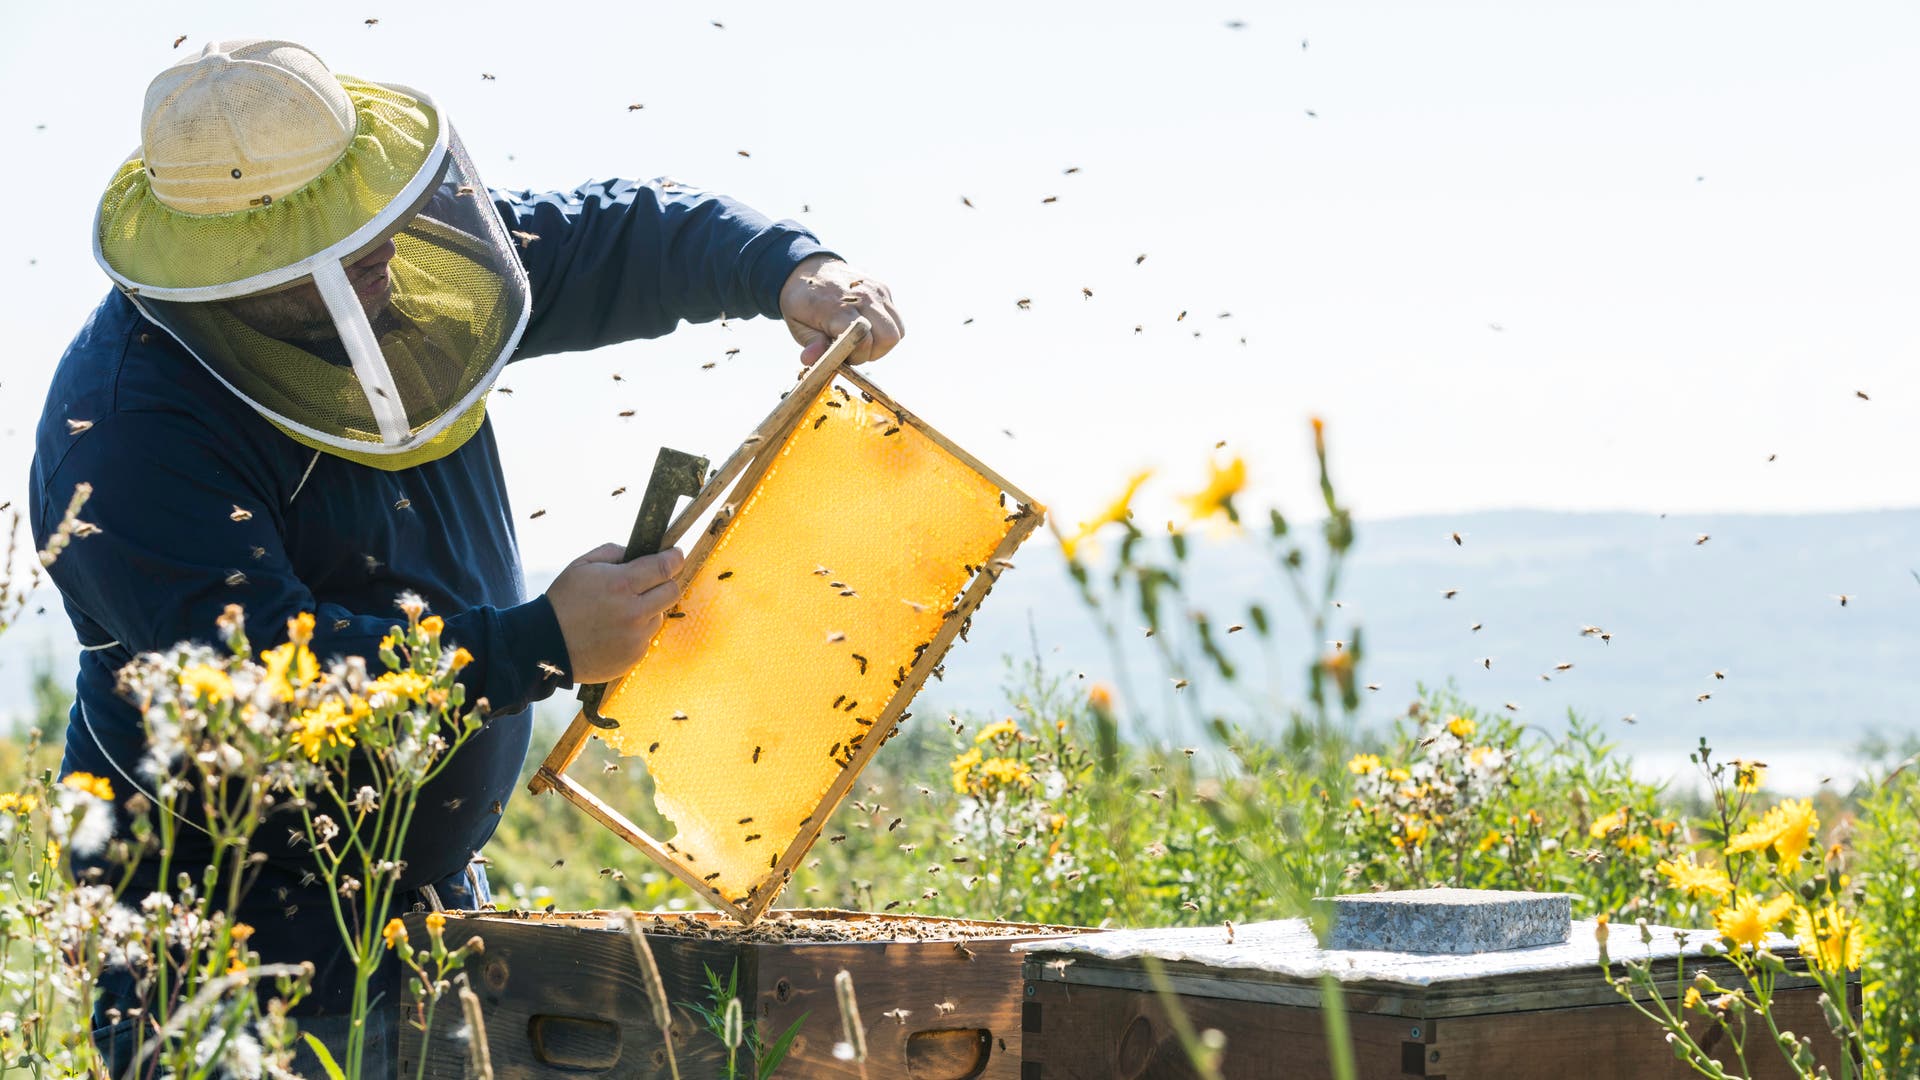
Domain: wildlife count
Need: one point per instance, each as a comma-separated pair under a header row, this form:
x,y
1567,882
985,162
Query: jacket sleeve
x,y
176,545
616,260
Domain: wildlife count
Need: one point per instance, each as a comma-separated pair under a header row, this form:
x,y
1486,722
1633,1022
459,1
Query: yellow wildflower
x,y
410,685
1828,937
1611,823
1490,841
1461,726
1748,921
1695,880
395,933
1415,828
1006,728
461,658
300,628
1100,696
1692,1000
392,642
18,802
1787,828
289,667
1363,764
1634,844
1223,483
432,625
962,767
97,786
206,682
1747,775
241,932
326,724
1119,509
1398,776
436,922
1005,772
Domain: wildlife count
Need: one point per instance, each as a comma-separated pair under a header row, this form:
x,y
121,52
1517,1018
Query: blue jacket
x,y
171,452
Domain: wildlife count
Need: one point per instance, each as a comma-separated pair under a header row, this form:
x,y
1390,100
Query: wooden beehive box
x,y
1090,1009
562,994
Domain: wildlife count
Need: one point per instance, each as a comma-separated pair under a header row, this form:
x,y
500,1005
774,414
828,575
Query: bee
x,y
1457,541
1025,303
676,614
944,1007
236,579
552,670
636,107
1630,718
861,660
1476,627
338,624
1050,200
1862,395
1701,539
1702,696
1564,665
773,861
75,427
537,514
968,203
1373,686
486,77
1719,674
1229,931
178,40
1843,598
402,504
1235,628
1487,662
1157,793
725,574
818,420
626,413
508,390
1179,684
742,153
756,755
1449,593
894,824
619,491
524,239
1511,707
611,766
711,876
241,514
496,807
836,838
373,22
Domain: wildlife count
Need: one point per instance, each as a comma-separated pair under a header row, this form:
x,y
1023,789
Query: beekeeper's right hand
x,y
609,610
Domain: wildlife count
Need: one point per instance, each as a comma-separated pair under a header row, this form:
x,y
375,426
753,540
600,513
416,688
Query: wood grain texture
x,y
1081,1032
562,997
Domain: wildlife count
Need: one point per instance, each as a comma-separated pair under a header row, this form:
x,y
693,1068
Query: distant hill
x,y
1805,678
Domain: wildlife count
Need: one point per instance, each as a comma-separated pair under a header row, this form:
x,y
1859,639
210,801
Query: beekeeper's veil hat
x,y
323,245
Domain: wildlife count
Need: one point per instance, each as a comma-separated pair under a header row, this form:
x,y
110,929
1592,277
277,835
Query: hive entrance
x,y
852,550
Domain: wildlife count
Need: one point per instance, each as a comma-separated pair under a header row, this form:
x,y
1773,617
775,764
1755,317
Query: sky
x,y
1515,254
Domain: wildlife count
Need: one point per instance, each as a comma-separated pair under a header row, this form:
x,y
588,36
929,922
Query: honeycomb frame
x,y
738,480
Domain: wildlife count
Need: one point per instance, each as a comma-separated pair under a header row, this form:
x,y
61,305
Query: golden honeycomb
x,y
797,630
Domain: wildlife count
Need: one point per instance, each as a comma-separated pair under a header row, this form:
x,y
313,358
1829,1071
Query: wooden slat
x,y
635,835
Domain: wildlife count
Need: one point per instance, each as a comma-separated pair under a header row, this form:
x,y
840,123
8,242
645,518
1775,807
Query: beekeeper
x,y
282,404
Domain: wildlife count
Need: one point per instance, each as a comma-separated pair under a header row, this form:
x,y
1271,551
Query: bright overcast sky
x,y
1516,254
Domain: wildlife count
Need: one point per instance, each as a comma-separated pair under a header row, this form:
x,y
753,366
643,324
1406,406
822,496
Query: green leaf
x,y
778,1051
320,1051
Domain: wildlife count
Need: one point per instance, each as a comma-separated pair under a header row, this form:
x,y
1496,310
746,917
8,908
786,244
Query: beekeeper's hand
x,y
609,610
821,299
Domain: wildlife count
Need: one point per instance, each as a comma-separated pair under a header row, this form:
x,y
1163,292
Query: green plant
x,y
1889,875
722,1016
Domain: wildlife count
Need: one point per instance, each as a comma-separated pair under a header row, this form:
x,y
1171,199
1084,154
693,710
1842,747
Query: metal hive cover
x,y
810,614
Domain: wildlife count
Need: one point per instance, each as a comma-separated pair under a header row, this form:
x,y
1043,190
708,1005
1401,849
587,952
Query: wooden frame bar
x,y
741,473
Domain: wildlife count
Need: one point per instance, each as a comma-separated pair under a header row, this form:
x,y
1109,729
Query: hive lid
x,y
850,553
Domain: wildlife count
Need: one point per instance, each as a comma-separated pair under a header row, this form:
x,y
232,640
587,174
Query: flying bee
x,y
1719,674
626,413
524,239
636,107
486,76
619,491
1703,696
1179,684
1450,593
1511,707
1842,597
550,669
1024,303
611,766
1235,628
1563,665
236,579
1701,539
178,40
402,504
756,755
537,514
241,514
861,660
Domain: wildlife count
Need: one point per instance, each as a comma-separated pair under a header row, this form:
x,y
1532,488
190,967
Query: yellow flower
x,y
1787,828
241,932
206,682
1363,764
1415,828
1490,841
436,922
97,786
1119,509
1223,483
21,802
1748,921
1005,772
289,667
1461,726
300,628
432,625
410,685
994,731
461,658
962,767
1696,880
1611,823
1692,1000
1479,755
1829,937
392,641
1398,776
1634,844
1747,775
395,933
326,724
1100,696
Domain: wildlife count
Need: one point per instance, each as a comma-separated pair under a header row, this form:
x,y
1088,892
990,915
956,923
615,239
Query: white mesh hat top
x,y
323,245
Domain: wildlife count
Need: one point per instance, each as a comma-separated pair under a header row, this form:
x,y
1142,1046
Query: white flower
x,y
366,800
